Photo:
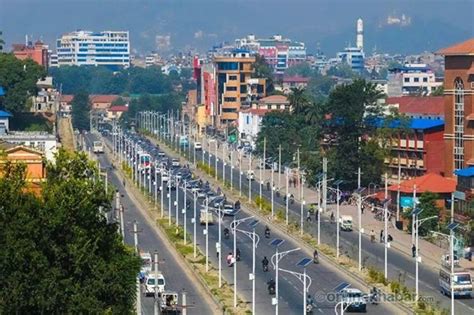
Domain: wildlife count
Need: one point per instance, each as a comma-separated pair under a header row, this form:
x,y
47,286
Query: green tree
x,y
18,78
342,70
299,100
263,70
81,111
427,202
2,42
59,253
302,69
438,92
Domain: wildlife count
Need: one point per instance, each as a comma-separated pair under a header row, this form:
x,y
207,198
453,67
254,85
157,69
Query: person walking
x,y
413,251
308,216
381,236
372,236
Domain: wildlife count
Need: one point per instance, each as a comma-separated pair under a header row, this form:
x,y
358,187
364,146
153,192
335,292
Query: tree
x,y
81,111
342,70
302,69
427,202
59,253
438,92
18,78
299,100
2,42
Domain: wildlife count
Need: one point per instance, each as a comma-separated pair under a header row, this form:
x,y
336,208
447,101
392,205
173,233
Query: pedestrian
x,y
362,209
372,236
308,216
413,251
123,182
381,236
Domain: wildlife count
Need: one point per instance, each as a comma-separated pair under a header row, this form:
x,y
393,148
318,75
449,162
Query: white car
x,y
146,264
354,300
175,163
150,281
161,154
197,146
250,175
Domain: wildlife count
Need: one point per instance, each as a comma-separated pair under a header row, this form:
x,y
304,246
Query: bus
x,y
98,147
462,282
144,161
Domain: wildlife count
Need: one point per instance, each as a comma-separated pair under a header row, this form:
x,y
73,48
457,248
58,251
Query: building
x,y
84,48
417,150
47,99
38,52
273,102
280,53
464,193
250,121
412,79
115,112
428,107
4,122
354,57
33,159
294,82
38,140
459,106
102,101
65,104
53,59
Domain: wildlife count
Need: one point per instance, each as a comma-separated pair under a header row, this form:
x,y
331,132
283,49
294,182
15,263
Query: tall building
x,y
84,48
360,34
280,53
352,56
38,52
459,106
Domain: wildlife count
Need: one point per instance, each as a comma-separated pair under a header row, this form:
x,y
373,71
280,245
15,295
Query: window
x,y
247,118
232,77
228,110
228,65
230,99
242,77
425,79
416,79
406,80
458,124
231,88
243,88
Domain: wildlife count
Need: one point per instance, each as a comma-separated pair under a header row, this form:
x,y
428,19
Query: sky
x,y
329,25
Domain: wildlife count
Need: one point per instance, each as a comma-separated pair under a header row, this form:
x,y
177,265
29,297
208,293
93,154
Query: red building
x,y
459,106
37,52
418,151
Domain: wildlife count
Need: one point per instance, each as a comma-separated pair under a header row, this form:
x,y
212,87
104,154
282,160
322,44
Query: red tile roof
x,y
272,99
67,98
461,49
118,108
428,105
430,182
98,98
295,79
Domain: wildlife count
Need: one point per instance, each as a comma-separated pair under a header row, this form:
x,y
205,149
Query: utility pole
x,y
156,302
135,238
279,166
386,225
325,183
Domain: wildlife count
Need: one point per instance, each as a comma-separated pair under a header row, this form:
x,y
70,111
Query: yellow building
x,y
234,84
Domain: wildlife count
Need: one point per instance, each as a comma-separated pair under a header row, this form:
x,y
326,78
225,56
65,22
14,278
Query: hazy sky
x,y
202,23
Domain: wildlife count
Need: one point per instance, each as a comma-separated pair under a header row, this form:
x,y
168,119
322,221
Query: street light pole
x,y
207,234
386,228
287,194
194,227
250,177
184,212
279,166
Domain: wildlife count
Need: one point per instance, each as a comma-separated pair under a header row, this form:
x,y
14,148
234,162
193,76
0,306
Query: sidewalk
x,y
430,253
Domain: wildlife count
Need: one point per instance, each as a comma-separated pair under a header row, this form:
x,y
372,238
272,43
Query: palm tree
x,y
299,100
2,42
313,113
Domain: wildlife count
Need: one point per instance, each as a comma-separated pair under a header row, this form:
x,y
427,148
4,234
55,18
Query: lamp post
x,y
360,199
417,222
250,175
207,233
319,179
338,197
234,224
220,213
194,225
275,259
184,211
287,194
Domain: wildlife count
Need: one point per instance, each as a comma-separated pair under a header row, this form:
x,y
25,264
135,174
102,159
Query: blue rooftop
x,y
4,114
2,91
465,172
415,123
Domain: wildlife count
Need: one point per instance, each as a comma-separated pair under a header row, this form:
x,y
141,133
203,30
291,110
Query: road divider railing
x,y
395,291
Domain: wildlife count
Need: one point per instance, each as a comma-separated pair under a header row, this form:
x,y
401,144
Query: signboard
x,y
232,138
407,202
459,195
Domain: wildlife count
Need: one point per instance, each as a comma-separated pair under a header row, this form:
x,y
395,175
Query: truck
x,y
169,303
98,147
345,222
206,216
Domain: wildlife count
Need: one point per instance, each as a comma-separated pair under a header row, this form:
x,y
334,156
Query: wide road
x,y
400,266
150,240
324,276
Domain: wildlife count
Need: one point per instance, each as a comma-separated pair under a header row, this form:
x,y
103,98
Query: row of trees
x,y
345,127
59,253
18,79
103,80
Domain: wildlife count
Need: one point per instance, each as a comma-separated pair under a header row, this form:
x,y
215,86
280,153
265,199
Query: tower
x,y
360,34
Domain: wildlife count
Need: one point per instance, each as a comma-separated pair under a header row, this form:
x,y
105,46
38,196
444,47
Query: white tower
x,y
360,34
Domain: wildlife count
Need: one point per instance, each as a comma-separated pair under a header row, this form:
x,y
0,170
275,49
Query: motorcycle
x,y
271,288
226,234
309,308
267,233
265,268
237,255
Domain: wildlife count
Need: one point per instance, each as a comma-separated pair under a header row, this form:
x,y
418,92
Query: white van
x,y
197,146
150,281
345,222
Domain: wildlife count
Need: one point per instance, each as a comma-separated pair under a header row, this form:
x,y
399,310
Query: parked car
x,y
175,163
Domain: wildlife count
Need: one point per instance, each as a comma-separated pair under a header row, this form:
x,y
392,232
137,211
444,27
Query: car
x,y
250,175
175,163
154,278
197,146
201,193
229,209
217,202
354,300
146,265
161,154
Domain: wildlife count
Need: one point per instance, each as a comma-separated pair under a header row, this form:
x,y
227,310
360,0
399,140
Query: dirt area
x,y
66,133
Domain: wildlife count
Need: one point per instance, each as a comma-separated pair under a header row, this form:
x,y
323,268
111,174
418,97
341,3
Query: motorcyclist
x,y
267,231
230,259
271,286
237,254
374,295
309,302
265,263
226,233
315,256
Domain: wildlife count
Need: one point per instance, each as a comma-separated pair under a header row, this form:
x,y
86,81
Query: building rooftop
x,y
4,114
430,182
255,111
428,105
414,123
66,98
106,98
465,48
281,99
295,79
118,108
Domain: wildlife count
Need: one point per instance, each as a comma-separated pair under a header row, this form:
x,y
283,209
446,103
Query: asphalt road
x,y
324,276
401,267
149,240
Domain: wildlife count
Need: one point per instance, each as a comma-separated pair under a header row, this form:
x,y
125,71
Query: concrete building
x,y
37,52
4,122
38,140
280,53
294,82
273,102
412,79
115,112
427,107
47,100
250,121
84,48
65,104
354,57
459,106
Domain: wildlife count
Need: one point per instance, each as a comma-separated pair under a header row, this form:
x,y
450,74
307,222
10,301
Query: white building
x,y
412,79
250,121
81,48
41,141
